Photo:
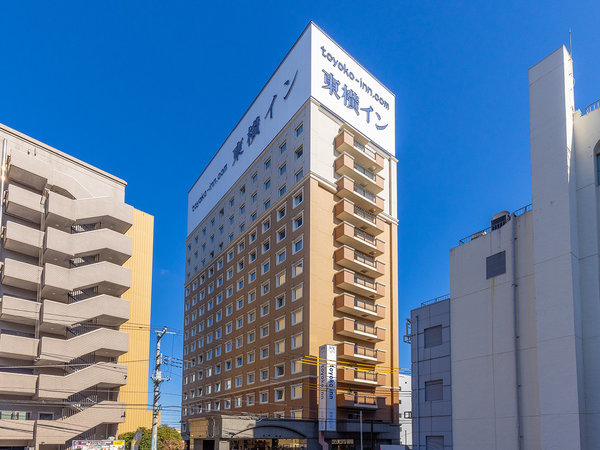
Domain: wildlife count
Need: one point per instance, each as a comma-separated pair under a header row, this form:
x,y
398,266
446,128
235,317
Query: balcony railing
x,y
366,376
365,328
362,258
365,237
365,351
364,304
363,192
365,214
364,281
366,172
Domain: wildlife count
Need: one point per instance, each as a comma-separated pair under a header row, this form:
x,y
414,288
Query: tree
x,y
168,439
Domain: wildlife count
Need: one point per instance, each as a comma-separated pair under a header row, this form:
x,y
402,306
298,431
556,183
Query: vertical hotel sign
x,y
327,387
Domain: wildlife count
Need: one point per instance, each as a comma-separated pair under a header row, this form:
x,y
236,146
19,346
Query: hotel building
x,y
291,246
517,342
76,265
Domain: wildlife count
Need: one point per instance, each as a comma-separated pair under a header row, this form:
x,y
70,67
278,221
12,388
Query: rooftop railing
x,y
436,299
592,106
496,226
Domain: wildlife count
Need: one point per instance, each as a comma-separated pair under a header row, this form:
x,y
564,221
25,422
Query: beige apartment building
x,y
291,246
76,269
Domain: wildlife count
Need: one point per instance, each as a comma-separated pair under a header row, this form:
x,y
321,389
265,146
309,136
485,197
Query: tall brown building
x,y
292,245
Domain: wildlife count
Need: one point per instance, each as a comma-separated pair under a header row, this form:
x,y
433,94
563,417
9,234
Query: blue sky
x,y
149,90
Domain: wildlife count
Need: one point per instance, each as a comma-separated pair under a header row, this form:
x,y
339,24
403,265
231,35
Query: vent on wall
x,y
495,265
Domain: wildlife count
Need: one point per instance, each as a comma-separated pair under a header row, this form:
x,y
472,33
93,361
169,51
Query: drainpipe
x,y
418,385
515,331
4,143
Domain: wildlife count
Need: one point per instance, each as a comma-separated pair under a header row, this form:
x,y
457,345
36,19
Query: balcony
x,y
16,432
21,275
110,278
57,432
360,401
359,285
356,306
103,375
345,142
347,234
63,212
347,166
358,330
28,170
34,173
22,239
18,310
17,384
102,342
18,347
358,262
24,204
60,247
363,198
355,352
361,219
360,377
104,309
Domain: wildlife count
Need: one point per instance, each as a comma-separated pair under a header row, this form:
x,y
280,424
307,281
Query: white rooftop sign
x,y
315,66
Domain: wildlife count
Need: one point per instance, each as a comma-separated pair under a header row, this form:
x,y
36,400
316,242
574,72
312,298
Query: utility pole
x,y
361,432
157,379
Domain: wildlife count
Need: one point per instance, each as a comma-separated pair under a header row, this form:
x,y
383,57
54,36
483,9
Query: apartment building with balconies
x,y
72,254
292,245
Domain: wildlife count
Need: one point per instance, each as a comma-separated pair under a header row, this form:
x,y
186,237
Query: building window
x,y
280,324
264,331
264,374
281,256
280,301
434,442
282,147
267,184
280,279
299,129
282,169
298,175
279,347
264,353
296,341
282,190
297,292
297,268
268,163
297,246
299,152
433,336
296,391
279,370
264,309
279,394
297,316
434,390
296,366
298,221
264,397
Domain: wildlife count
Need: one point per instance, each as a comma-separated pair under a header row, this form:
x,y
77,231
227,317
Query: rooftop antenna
x,y
570,44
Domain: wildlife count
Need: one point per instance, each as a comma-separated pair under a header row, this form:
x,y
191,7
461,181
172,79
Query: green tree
x,y
168,438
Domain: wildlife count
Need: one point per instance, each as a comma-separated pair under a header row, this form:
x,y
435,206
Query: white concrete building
x,y
405,408
525,293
